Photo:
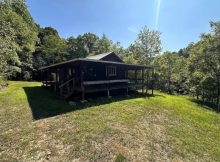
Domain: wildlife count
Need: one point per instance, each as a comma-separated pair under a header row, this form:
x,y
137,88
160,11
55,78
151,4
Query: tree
x,y
212,56
50,48
72,48
149,42
204,65
135,55
103,45
195,71
118,49
185,51
9,61
15,16
86,44
170,72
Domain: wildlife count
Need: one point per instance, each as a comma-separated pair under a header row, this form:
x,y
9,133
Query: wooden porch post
x,y
127,92
82,86
107,75
74,76
46,77
147,82
55,85
41,76
108,93
135,76
152,81
135,79
126,76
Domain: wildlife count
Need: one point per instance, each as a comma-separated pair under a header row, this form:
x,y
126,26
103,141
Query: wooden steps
x,y
67,88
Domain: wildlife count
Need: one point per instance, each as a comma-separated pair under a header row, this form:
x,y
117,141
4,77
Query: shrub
x,y
3,81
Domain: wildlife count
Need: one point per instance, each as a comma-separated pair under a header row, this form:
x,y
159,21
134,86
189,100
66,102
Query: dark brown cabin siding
x,y
97,71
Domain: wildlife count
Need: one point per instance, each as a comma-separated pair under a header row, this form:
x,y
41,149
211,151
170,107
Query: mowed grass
x,y
35,125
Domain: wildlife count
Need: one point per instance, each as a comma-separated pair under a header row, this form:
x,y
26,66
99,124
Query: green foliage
x,y
194,69
50,48
25,47
135,55
130,58
3,81
103,45
186,51
170,72
149,41
21,37
120,158
91,44
118,49
204,66
9,60
145,48
83,45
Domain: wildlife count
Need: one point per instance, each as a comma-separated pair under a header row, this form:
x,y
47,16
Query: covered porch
x,y
73,78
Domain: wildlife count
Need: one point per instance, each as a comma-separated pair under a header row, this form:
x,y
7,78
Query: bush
x,y
26,75
3,81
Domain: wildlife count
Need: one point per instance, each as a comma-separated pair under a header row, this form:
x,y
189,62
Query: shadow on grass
x,y
206,105
45,103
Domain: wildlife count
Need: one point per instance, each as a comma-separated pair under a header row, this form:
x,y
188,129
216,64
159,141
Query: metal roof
x,y
98,61
99,56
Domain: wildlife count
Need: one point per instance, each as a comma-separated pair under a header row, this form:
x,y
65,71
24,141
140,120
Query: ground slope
x,y
37,126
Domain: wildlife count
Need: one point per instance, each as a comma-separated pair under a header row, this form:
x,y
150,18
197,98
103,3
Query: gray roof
x,y
100,61
99,56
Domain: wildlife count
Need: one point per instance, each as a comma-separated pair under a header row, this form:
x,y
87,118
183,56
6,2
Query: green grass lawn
x,y
35,125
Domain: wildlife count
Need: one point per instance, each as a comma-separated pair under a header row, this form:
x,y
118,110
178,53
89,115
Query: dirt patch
x,y
47,147
2,87
144,141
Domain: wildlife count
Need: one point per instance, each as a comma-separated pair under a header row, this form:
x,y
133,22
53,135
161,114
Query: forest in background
x,y
25,46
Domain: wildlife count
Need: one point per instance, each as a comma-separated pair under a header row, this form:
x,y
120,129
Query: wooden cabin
x,y
103,72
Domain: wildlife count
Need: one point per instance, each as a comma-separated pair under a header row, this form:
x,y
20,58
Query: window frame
x,y
111,71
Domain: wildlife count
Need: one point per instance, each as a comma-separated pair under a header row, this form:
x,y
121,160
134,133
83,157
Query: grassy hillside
x,y
37,126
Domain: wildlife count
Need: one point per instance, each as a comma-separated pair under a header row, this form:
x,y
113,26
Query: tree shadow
x,y
206,105
44,103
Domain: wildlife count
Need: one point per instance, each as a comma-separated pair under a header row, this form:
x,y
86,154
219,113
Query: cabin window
x,y
53,76
91,72
70,72
110,71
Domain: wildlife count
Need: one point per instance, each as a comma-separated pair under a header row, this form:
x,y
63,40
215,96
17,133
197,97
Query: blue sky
x,y
180,21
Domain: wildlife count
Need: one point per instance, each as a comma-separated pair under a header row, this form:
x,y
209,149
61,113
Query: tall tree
x,y
9,60
118,49
170,72
135,55
103,45
72,48
86,44
204,65
149,42
185,51
15,13
50,48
